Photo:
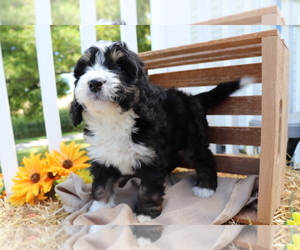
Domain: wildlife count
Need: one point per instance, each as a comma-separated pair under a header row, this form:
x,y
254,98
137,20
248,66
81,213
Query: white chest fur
x,y
111,142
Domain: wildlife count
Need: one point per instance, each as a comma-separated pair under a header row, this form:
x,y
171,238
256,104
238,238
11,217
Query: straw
x,y
36,227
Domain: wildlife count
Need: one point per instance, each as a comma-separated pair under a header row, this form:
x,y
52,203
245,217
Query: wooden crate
x,y
266,16
272,105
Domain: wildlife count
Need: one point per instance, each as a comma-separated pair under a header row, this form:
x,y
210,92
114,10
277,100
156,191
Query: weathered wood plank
x,y
272,105
247,216
257,16
238,105
274,127
225,43
243,165
235,135
233,164
206,77
272,19
252,50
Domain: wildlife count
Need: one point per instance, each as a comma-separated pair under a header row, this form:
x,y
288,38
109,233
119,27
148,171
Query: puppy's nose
x,y
96,84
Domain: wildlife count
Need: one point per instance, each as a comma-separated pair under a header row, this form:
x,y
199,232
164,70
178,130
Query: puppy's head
x,y
108,76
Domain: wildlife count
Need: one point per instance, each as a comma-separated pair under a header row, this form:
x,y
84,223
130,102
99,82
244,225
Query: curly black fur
x,y
167,121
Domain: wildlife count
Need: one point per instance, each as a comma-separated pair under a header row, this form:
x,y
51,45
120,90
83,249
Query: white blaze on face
x,y
108,91
110,127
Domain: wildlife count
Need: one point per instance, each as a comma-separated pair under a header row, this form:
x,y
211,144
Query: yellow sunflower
x,y
31,181
2,189
295,220
19,200
84,174
69,159
296,243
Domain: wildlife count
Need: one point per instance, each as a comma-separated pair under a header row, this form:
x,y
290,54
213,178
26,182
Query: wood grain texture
x,y
274,127
206,77
225,43
259,237
247,216
252,50
244,165
238,105
265,236
248,17
246,239
272,105
233,164
249,237
272,19
235,135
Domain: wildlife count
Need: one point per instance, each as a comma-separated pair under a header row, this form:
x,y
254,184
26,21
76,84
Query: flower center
x,y
50,175
35,177
67,164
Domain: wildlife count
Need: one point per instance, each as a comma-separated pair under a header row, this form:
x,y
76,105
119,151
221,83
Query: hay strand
x,y
39,227
290,201
45,213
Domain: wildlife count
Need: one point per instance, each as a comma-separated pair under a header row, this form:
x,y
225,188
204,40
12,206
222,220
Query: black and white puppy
x,y
134,126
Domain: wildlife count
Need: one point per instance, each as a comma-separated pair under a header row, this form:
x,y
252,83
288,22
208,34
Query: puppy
x,y
136,127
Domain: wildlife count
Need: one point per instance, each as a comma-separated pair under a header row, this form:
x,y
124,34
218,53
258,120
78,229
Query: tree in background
x,y
20,65
65,12
19,50
20,62
143,29
17,12
68,12
108,9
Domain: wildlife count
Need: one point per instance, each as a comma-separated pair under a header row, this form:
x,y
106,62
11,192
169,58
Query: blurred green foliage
x,y
17,38
24,128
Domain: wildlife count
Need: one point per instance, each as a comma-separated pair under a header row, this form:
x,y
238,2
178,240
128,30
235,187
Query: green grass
x,y
17,141
41,149
27,151
29,139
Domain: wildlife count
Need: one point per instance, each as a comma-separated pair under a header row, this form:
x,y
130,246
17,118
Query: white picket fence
x,y
8,157
162,36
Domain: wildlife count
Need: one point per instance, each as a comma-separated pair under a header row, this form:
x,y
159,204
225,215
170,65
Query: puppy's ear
x,y
122,44
76,113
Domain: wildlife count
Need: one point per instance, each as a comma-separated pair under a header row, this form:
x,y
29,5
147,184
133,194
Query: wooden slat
x,y
246,239
247,216
225,43
274,127
233,164
235,135
186,61
247,18
266,235
206,77
237,164
260,237
246,51
238,105
227,20
272,105
272,19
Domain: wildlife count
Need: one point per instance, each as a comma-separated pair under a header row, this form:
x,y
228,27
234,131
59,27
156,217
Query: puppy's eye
x,y
119,68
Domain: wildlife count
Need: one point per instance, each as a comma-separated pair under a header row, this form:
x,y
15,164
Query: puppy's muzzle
x,y
95,85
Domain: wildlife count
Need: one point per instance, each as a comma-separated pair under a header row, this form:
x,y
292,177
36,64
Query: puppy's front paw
x,y
203,192
143,242
143,218
147,213
99,204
